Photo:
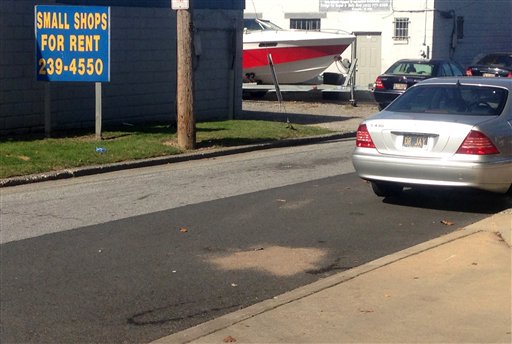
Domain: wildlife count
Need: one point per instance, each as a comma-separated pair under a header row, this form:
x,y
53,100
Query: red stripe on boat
x,y
258,57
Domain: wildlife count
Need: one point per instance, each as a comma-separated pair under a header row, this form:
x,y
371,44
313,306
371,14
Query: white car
x,y
453,132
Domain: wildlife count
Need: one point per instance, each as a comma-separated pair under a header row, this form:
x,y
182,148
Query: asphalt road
x,y
140,277
48,207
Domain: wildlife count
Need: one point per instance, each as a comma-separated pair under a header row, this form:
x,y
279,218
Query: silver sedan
x,y
453,132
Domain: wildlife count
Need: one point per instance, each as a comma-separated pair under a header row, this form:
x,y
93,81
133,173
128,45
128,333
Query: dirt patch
x,y
274,260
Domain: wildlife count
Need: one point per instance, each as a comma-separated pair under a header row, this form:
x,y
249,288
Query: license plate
x,y
415,141
399,86
488,75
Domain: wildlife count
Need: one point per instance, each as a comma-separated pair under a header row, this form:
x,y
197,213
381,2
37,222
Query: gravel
x,y
338,116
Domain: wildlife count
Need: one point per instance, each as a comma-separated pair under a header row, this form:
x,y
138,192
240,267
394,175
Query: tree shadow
x,y
110,132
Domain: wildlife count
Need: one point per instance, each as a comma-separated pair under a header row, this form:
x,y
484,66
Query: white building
x,y
388,30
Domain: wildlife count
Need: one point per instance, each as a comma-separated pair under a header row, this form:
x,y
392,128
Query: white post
x,y
98,110
47,110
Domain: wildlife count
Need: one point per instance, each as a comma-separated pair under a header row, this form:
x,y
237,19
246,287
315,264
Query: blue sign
x,y
72,43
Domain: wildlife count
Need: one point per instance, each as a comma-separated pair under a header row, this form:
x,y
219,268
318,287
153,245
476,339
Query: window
x,y
305,24
497,60
251,25
415,68
463,100
259,25
401,29
446,70
457,71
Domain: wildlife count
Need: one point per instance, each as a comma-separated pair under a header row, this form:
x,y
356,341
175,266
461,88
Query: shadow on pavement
x,y
296,118
452,199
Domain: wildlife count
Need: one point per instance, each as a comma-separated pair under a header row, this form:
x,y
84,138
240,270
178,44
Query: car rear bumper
x,y
490,176
385,97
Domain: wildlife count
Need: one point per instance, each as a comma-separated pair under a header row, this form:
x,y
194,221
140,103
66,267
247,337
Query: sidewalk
x,y
453,289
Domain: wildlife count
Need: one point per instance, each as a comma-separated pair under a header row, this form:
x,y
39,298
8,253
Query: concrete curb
x,y
497,223
90,170
500,223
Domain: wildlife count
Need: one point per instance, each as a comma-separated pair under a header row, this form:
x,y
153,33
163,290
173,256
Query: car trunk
x,y
428,137
400,83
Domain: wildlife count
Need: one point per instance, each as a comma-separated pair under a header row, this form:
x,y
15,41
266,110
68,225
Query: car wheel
x,y
383,189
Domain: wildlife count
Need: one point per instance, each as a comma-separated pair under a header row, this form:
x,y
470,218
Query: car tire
x,y
383,189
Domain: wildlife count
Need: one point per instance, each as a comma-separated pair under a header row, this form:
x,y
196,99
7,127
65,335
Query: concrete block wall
x,y
220,46
143,71
487,28
21,101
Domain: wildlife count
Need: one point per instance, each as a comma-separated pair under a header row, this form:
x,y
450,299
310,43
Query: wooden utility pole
x,y
185,90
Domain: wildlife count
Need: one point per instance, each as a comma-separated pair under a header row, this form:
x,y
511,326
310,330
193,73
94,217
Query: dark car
x,y
492,65
405,73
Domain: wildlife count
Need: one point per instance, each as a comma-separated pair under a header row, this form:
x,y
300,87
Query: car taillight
x,y
477,143
509,75
363,138
378,83
469,72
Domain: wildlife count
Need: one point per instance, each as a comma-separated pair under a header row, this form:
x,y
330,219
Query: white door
x,y
368,54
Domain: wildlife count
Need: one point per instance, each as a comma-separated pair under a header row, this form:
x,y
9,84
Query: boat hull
x,y
297,56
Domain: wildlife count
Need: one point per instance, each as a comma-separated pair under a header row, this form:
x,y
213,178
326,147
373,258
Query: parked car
x,y
492,65
453,132
405,73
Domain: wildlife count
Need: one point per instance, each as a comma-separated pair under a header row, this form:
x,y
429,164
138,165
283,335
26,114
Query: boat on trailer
x,y
297,55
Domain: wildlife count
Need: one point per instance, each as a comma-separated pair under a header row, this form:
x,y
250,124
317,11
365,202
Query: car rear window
x,y
452,99
498,60
411,68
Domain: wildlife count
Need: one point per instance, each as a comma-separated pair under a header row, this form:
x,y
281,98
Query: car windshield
x,y
260,25
452,99
414,68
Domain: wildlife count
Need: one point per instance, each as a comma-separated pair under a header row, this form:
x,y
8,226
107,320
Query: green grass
x,y
29,155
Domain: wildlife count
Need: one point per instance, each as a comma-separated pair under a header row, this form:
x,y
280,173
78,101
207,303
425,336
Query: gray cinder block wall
x,y
143,70
486,28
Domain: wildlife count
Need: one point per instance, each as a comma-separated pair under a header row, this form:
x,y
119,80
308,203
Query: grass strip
x,y
34,154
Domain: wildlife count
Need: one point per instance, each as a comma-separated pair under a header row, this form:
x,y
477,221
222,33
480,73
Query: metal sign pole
x,y
47,110
98,110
